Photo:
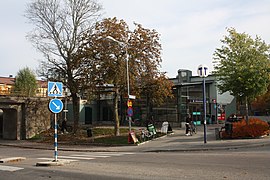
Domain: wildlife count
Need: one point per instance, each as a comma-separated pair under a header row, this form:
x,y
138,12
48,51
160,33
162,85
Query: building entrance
x,y
196,111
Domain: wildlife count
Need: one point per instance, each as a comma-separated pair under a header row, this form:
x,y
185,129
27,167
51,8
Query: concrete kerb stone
x,y
12,159
53,163
144,142
207,148
213,145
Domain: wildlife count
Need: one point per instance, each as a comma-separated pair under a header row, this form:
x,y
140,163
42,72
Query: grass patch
x,y
101,135
99,131
113,140
36,137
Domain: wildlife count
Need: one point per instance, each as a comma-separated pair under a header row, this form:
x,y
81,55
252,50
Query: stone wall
x,y
37,116
23,117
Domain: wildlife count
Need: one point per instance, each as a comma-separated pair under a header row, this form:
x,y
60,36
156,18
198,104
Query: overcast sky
x,y
190,30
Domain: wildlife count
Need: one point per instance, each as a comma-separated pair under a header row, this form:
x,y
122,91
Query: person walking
x,y
188,124
64,126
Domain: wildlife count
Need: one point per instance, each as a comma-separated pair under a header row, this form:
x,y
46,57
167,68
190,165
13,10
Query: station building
x,y
188,91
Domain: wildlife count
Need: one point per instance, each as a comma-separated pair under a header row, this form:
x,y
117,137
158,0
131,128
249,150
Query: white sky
x,y
190,29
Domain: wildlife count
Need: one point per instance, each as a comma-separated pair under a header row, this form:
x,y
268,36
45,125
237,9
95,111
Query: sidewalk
x,y
177,141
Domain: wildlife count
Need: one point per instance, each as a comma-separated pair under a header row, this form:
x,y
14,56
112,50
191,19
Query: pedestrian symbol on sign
x,y
55,89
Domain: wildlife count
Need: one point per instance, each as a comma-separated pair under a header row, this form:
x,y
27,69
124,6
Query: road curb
x,y
12,159
193,149
154,139
53,163
186,149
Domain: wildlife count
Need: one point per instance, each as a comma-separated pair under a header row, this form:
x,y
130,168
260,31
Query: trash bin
x,y
229,128
217,133
164,128
89,132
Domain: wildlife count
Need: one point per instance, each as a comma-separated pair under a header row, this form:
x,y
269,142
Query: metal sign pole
x,y
204,110
129,124
55,137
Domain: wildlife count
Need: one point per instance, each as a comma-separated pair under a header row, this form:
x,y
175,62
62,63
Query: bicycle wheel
x,y
194,130
191,130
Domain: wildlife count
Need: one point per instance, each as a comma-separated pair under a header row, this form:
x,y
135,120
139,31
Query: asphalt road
x,y
251,163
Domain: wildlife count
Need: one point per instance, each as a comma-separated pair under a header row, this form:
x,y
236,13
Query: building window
x,y
183,73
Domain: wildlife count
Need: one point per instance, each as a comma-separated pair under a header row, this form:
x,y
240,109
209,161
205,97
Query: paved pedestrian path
x,y
177,141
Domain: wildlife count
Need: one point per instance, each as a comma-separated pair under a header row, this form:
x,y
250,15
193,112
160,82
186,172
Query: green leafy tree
x,y
242,66
60,26
25,83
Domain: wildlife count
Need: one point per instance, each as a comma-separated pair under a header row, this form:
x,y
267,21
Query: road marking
x,y
88,156
71,157
9,168
109,154
92,156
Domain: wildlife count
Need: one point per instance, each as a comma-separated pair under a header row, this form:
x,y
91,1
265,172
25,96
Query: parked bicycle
x,y
144,135
191,128
148,133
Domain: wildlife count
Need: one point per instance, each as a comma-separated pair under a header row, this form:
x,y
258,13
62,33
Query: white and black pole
x,y
55,89
56,106
203,72
55,138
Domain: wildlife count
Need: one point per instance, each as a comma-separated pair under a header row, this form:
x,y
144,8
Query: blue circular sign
x,y
56,105
130,111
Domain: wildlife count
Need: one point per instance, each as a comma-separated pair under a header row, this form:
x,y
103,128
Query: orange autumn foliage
x,y
255,128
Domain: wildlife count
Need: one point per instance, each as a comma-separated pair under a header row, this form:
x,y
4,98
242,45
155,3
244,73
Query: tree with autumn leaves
x,y
261,104
113,45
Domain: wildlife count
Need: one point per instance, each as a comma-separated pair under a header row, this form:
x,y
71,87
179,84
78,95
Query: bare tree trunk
x,y
246,105
149,111
116,116
76,114
148,116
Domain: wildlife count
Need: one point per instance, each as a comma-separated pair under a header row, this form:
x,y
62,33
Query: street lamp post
x,y
127,59
125,45
203,72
